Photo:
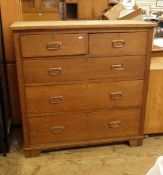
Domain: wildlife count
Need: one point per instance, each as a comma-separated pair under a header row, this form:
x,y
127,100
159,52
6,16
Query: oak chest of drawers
x,y
82,82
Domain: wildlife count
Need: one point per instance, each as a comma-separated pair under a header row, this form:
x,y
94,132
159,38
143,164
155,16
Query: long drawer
x,y
78,127
76,69
76,97
53,45
115,44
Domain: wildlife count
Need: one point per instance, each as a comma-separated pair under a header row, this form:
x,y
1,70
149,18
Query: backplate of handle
x,y
115,124
54,71
117,66
53,46
119,43
115,95
56,100
57,129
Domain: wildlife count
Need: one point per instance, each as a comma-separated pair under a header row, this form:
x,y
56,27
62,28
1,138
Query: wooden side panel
x,y
91,9
154,109
146,79
85,9
13,93
21,89
11,12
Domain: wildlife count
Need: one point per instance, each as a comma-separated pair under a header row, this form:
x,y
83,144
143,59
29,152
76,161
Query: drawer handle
x,y
116,95
56,100
57,130
118,43
115,124
117,66
52,46
54,71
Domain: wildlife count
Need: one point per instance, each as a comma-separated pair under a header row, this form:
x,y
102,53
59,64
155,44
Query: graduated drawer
x,y
78,127
53,45
76,69
76,97
114,44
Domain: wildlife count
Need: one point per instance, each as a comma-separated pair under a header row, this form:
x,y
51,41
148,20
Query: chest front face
x,y
82,86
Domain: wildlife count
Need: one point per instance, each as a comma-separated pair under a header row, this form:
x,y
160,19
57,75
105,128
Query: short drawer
x,y
76,69
79,97
78,127
115,44
42,16
53,45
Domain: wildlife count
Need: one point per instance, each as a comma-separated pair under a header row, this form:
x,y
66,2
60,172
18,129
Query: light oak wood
x,y
35,150
84,126
40,12
136,142
11,12
54,45
85,9
116,44
21,90
72,69
81,24
83,96
8,17
32,153
41,16
52,102
92,9
154,110
40,6
158,53
98,7
156,63
146,80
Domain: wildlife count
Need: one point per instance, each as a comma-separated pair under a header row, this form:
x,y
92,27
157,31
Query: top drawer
x,y
117,44
54,45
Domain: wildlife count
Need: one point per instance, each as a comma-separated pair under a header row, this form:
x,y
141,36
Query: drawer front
x,y
53,45
114,44
76,69
84,126
43,16
76,97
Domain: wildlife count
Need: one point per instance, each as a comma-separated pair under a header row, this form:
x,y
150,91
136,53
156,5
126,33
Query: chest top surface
x,y
81,24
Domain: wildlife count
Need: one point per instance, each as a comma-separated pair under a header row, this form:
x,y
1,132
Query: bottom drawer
x,y
77,127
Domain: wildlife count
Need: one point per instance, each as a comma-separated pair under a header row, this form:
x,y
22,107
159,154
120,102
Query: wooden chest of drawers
x,y
82,82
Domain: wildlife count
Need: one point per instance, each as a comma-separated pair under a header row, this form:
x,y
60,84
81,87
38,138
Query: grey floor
x,y
118,159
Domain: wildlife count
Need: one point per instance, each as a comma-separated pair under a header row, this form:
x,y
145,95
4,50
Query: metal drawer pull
x,y
115,124
57,130
118,43
117,66
54,71
52,46
116,95
56,100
